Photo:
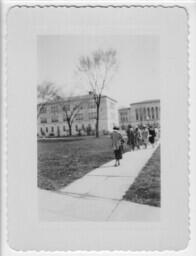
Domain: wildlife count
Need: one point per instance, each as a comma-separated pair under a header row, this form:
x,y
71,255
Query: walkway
x,y
97,196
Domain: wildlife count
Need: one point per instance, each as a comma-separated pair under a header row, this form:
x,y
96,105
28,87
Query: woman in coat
x,y
145,135
117,140
152,135
131,138
137,137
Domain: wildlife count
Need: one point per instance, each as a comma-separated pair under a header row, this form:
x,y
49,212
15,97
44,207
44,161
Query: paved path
x,y
97,196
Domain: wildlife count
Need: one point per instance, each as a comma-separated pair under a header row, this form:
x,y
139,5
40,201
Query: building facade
x,y
146,113
52,120
141,113
124,117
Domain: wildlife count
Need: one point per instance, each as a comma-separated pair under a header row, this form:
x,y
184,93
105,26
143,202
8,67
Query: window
x,y
46,129
92,115
157,113
144,111
43,109
91,105
76,127
149,117
152,110
66,107
58,131
79,117
82,106
124,117
64,128
54,108
52,129
43,120
54,119
141,115
136,114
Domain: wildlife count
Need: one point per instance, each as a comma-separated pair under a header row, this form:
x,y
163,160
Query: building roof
x,y
105,96
75,98
145,101
124,108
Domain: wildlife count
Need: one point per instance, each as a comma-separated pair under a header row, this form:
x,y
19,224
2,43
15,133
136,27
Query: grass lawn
x,y
146,187
60,162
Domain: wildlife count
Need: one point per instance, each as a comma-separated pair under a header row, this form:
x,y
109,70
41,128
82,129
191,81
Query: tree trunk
x,y
70,129
97,122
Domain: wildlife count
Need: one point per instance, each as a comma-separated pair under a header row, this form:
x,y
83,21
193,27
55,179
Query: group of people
x,y
141,136
136,138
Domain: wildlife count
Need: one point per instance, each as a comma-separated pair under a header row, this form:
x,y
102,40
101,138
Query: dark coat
x,y
152,135
131,137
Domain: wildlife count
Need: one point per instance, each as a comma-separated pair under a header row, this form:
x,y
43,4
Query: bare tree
x,y
98,69
46,92
71,110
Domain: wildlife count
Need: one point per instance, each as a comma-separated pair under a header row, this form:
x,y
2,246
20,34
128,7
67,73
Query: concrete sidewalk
x,y
97,196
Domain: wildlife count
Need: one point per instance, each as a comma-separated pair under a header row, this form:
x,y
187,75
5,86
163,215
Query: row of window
x,y
124,117
54,119
63,128
67,107
51,130
78,117
145,114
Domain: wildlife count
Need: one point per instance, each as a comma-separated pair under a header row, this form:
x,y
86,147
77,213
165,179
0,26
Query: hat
x,y
115,128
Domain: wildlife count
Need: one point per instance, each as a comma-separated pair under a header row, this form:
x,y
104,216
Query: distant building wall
x,y
124,117
112,114
52,119
140,113
146,112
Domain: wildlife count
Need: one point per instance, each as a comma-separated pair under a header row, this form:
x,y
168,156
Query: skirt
x,y
118,153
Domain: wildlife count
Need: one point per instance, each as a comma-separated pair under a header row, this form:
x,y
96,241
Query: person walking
x,y
128,134
152,135
145,135
157,134
131,138
137,136
117,141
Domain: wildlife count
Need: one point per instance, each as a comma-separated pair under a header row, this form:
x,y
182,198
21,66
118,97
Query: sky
x,y
136,79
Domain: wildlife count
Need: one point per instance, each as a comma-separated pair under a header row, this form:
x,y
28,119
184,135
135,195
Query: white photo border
x,y
14,95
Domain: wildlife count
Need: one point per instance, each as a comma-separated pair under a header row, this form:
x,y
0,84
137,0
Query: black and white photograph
x,y
98,133
97,128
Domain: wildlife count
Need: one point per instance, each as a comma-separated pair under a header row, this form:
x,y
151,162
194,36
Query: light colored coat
x,y
145,135
116,139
